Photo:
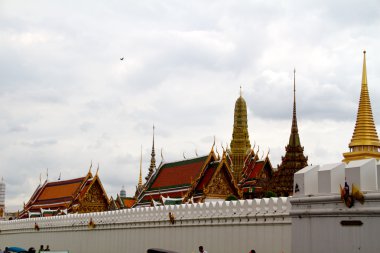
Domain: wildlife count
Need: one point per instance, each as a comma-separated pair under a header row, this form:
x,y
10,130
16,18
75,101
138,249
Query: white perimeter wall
x,y
316,225
236,226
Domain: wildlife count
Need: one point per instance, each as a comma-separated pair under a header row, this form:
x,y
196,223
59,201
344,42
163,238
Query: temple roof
x,y
60,194
177,173
181,178
173,179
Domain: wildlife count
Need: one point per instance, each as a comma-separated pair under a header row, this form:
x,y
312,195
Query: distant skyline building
x,y
294,159
365,142
2,198
240,144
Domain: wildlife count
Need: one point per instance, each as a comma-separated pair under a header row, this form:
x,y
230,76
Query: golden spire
x,y
365,142
140,177
240,143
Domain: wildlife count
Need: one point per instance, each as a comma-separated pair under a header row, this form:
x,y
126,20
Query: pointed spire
x,y
152,166
240,143
294,139
365,141
140,177
294,159
294,121
364,74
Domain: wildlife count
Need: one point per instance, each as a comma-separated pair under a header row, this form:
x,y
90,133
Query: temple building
x,y
294,159
198,179
365,142
79,195
122,201
240,144
257,173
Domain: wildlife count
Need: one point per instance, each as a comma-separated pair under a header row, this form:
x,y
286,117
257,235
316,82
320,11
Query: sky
x,y
67,99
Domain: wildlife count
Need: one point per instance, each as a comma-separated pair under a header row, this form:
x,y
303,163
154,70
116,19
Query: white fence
x,y
225,226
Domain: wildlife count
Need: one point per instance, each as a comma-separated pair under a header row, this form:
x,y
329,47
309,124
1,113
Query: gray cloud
x,y
67,99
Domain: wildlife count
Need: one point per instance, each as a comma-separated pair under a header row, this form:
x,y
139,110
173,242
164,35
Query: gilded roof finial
x,y
89,170
241,93
365,142
140,177
364,74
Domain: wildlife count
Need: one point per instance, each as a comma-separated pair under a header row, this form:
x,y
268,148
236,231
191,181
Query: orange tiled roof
x,y
54,195
129,202
60,189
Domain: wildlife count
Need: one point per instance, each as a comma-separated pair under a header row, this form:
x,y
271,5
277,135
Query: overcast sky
x,y
67,99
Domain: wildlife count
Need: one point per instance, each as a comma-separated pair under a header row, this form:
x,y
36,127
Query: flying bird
x,y
122,58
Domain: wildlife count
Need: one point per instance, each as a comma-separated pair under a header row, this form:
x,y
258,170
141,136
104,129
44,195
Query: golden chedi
x,y
240,144
365,142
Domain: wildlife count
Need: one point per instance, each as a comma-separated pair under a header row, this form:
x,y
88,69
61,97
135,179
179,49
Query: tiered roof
x,y
256,176
190,179
65,195
216,181
173,179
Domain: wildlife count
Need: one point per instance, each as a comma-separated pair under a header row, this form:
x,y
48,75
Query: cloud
x,y
39,143
67,99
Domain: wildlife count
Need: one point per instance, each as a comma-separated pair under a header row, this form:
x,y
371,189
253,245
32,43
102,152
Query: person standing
x,y
201,250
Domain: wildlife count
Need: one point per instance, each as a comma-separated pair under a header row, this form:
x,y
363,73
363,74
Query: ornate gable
x,y
216,182
219,186
95,199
